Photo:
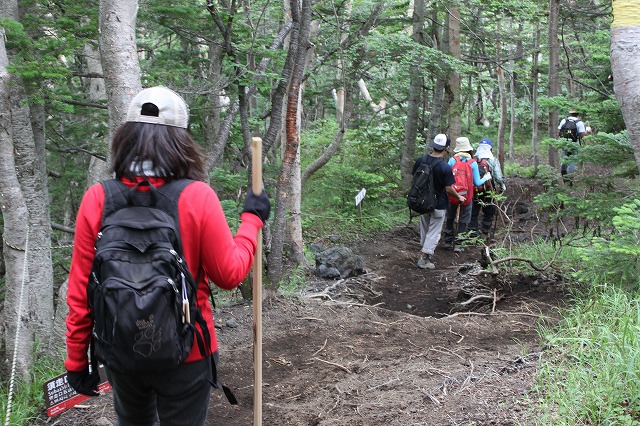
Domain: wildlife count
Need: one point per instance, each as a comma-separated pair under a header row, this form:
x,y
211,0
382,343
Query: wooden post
x,y
256,186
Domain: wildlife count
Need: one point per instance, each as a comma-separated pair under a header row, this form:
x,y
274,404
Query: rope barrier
x,y
15,346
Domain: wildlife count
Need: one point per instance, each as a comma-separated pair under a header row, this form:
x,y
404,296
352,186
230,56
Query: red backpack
x,y
464,181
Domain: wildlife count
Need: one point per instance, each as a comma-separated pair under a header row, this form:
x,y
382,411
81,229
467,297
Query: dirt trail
x,y
391,347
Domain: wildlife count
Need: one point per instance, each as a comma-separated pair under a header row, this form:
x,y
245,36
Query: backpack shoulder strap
x,y
114,196
168,195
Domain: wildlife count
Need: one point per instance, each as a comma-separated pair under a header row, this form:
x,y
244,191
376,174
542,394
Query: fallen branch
x,y
495,300
474,298
459,335
320,350
334,364
467,379
521,259
312,319
445,351
498,313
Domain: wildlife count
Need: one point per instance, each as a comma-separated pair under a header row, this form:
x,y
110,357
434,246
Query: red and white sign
x,y
59,396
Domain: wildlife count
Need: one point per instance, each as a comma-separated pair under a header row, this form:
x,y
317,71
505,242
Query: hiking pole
x,y
256,186
456,224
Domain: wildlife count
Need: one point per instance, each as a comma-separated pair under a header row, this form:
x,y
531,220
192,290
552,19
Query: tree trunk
x,y
119,56
625,64
24,200
554,83
535,77
503,113
96,92
275,240
512,96
214,145
437,99
413,106
333,146
453,84
296,62
294,224
503,97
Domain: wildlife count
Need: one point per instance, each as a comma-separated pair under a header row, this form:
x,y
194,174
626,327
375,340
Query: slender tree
x,y
413,107
553,87
454,81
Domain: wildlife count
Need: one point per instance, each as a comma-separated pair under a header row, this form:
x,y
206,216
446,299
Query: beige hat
x,y
172,110
462,145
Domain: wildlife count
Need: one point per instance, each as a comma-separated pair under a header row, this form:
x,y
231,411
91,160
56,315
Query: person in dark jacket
x,y
431,222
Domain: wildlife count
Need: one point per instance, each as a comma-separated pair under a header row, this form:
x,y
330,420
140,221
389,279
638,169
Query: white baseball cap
x,y
172,110
439,142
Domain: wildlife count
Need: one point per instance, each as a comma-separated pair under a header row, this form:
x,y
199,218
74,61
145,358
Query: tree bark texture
x,y
413,106
503,97
625,65
437,98
553,87
535,77
453,84
96,92
24,201
301,17
119,56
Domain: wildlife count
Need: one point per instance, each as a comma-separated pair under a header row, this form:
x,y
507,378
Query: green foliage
x,y
328,202
295,280
590,196
592,373
231,190
514,169
615,258
28,398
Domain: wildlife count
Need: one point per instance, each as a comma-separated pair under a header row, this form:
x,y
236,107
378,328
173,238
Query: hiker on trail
x,y
467,177
431,222
573,129
484,199
151,150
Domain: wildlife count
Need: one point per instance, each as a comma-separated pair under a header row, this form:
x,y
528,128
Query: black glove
x,y
257,204
84,382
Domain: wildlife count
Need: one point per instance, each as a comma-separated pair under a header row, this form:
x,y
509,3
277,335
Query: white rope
x,y
15,346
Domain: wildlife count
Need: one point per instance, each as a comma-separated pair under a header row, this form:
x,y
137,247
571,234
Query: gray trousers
x,y
177,397
430,230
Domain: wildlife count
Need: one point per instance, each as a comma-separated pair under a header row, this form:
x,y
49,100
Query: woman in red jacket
x,y
154,145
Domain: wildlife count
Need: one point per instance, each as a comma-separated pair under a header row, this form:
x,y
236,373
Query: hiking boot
x,y
458,249
424,262
447,245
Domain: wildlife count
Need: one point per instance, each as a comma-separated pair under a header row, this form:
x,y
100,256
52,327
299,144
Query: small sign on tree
x,y
359,199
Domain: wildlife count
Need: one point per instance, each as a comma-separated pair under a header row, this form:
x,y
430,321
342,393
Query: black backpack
x,y
422,196
142,295
569,129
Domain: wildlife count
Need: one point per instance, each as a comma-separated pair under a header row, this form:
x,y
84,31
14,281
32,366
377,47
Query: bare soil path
x,y
392,347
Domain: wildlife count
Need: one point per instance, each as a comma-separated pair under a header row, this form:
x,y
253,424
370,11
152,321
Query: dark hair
x,y
169,148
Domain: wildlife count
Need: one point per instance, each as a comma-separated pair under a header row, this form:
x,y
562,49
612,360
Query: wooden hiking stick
x,y
456,224
256,186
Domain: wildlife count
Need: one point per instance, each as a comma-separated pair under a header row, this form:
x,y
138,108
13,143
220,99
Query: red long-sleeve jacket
x,y
206,239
